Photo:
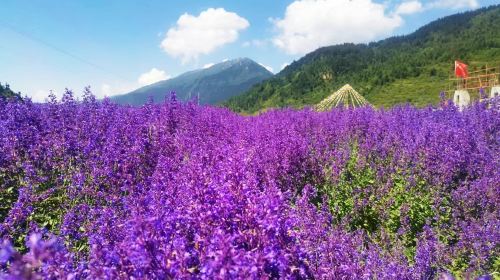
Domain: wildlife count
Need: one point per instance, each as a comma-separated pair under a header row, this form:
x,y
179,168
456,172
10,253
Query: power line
x,y
60,50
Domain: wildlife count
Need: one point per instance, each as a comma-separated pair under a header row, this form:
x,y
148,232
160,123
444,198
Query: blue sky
x,y
116,46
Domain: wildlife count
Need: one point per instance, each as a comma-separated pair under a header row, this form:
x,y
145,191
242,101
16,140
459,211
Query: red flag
x,y
461,69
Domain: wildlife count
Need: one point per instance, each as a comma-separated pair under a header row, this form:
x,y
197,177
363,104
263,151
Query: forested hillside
x,y
412,68
7,94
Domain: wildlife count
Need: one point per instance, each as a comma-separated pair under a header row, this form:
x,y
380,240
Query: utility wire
x,y
60,50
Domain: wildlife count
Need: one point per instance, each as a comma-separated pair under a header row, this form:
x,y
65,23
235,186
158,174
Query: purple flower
x,y
175,190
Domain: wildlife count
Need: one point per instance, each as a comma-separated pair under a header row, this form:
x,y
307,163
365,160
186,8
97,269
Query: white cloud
x,y
202,34
255,43
110,90
153,76
415,6
40,95
269,68
409,7
225,59
208,65
106,90
309,24
454,4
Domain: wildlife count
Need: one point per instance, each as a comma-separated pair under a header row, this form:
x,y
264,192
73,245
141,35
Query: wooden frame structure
x,y
484,78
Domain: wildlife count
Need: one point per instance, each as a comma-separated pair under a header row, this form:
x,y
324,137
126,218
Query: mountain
x,y
7,94
412,68
213,84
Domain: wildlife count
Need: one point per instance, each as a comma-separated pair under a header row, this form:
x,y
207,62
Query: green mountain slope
x,y
412,68
213,85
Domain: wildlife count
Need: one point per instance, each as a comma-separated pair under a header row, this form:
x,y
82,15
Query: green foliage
x,y
7,94
9,192
8,196
401,214
406,69
496,268
396,206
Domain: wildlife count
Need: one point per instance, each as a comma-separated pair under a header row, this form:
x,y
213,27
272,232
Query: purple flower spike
x,y
173,190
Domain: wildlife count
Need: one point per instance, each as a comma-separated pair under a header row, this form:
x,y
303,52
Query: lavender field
x,y
92,190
